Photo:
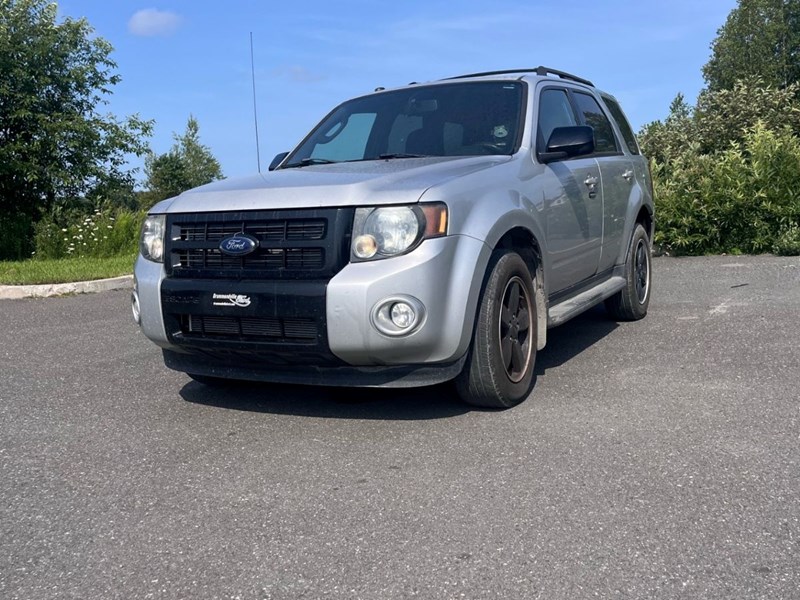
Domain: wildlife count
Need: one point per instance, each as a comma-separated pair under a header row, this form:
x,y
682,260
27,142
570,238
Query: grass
x,y
63,270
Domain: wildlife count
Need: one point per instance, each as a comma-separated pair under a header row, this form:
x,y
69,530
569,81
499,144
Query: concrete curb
x,y
15,292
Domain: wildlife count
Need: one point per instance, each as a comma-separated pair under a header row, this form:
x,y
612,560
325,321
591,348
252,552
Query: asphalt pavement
x,y
656,459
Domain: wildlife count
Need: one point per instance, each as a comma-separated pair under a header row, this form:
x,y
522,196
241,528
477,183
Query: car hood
x,y
394,181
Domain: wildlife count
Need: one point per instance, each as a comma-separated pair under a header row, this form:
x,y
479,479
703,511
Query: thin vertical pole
x,y
255,111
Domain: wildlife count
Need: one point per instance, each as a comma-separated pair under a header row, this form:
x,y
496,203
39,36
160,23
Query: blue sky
x,y
178,57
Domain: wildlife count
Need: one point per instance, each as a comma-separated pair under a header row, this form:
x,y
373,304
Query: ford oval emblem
x,y
240,244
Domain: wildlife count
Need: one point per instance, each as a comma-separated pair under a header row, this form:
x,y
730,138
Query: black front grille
x,y
269,259
276,230
295,330
292,244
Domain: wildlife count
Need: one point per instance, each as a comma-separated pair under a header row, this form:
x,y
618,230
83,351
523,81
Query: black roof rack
x,y
542,71
548,71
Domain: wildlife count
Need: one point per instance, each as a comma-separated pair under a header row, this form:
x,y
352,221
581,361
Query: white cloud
x,y
153,22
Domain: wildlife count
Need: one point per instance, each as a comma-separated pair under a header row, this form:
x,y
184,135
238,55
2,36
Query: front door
x,y
573,201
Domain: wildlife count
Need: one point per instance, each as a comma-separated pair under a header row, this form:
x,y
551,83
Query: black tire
x,y
631,302
499,368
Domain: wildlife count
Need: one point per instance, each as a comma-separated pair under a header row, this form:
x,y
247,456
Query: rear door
x,y
616,173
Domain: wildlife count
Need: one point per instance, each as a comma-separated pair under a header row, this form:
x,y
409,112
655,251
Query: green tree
x,y
721,118
187,165
725,171
761,38
55,145
663,140
201,166
167,176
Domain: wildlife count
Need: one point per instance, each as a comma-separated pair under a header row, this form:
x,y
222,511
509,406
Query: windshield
x,y
457,119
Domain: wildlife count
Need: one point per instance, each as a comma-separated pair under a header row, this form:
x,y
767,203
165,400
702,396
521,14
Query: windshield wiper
x,y
401,155
304,162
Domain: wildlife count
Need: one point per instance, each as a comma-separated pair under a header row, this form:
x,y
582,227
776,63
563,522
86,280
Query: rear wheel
x,y
631,302
499,368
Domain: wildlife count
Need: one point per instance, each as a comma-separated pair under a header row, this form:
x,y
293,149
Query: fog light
x,y
398,315
403,315
135,308
365,246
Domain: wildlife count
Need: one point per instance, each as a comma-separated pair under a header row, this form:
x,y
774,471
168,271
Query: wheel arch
x,y
640,212
522,241
645,217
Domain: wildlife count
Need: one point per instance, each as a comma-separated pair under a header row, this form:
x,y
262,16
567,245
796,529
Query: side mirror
x,y
277,160
566,142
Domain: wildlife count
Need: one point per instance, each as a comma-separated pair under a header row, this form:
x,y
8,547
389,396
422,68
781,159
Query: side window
x,y
593,115
554,111
346,140
622,122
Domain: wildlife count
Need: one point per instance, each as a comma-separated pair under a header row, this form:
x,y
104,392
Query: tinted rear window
x,y
622,122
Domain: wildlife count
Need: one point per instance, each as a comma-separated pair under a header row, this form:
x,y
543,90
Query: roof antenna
x,y
255,112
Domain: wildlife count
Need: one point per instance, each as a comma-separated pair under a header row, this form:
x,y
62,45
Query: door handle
x,y
591,183
627,175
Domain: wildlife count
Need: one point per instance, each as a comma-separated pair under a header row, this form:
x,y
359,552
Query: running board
x,y
572,307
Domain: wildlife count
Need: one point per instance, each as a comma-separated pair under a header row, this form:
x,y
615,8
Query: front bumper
x,y
445,275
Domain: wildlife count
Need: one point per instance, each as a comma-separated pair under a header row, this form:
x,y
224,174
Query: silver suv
x,y
417,235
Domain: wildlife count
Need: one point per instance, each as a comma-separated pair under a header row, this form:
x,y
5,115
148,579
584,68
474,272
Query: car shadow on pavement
x,y
573,337
434,402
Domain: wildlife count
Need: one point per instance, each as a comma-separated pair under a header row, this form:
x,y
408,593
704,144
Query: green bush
x,y
743,199
100,233
788,242
720,118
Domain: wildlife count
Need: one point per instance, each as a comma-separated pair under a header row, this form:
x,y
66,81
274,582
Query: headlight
x,y
392,230
151,243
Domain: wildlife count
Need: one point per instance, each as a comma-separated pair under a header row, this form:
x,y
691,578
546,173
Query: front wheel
x,y
631,302
499,368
